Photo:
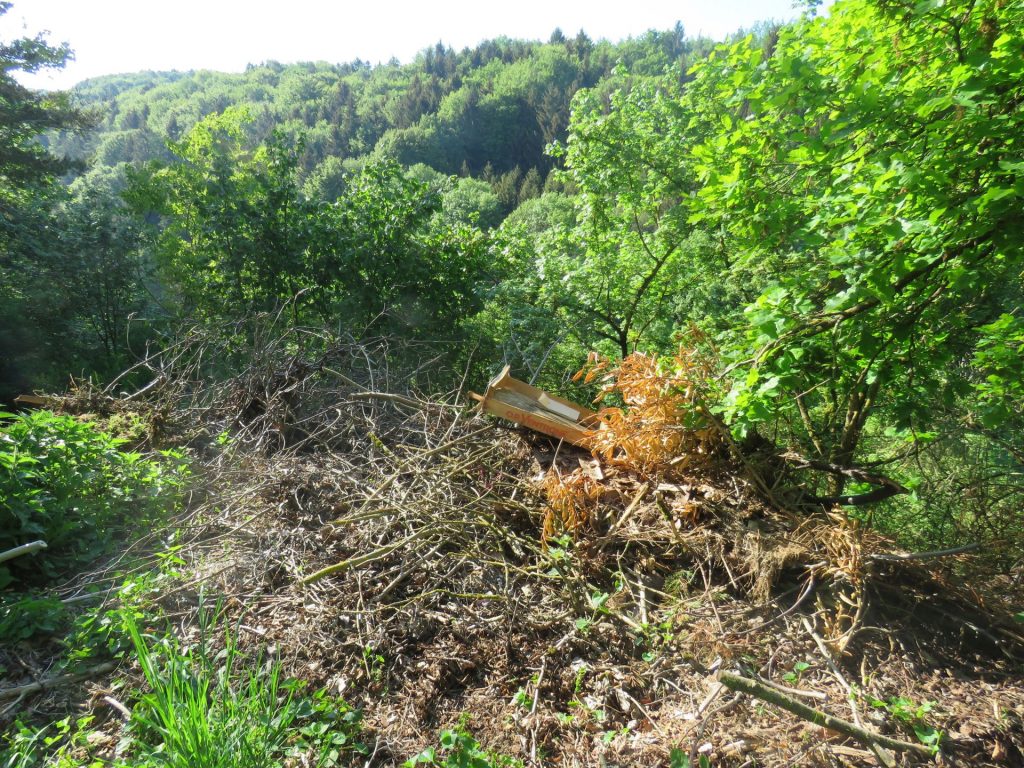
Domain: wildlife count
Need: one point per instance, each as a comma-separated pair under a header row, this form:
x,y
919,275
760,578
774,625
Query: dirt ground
x,y
602,645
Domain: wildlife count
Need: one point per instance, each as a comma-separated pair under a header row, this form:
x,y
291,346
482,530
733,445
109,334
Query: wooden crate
x,y
509,398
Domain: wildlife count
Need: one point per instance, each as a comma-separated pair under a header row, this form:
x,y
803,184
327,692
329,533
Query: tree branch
x,y
24,549
53,682
882,557
770,695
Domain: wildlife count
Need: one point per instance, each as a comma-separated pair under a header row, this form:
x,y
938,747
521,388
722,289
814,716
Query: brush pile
x,y
569,608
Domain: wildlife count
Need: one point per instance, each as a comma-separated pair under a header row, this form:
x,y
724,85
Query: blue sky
x,y
110,36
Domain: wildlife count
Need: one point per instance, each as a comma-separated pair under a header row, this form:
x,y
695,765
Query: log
x,y
32,401
771,696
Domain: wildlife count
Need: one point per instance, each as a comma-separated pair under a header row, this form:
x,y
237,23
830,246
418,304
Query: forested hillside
x,y
788,267
488,112
471,131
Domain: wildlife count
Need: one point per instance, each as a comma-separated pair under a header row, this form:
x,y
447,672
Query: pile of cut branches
x,y
569,608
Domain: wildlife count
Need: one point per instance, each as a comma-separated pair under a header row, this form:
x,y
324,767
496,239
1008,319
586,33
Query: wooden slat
x,y
33,401
505,381
514,400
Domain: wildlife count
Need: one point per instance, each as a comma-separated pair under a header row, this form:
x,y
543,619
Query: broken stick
x,y
890,558
753,688
53,682
24,549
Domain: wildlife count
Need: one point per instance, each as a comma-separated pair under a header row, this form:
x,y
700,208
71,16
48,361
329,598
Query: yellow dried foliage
x,y
661,429
840,543
664,423
572,502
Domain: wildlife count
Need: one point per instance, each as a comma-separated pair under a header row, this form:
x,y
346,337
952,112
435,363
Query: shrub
x,y
67,483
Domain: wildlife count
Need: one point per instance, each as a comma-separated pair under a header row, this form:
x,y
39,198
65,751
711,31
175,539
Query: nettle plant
x,y
67,483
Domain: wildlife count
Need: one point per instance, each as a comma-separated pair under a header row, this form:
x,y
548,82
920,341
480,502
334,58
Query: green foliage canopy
x,y
25,114
872,161
238,237
859,178
49,325
862,175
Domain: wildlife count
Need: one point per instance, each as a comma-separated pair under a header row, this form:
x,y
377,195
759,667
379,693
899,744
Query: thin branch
x,y
936,553
771,696
21,691
25,549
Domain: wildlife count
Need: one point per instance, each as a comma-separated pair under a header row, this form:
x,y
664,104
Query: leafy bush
x,y
22,616
67,483
52,746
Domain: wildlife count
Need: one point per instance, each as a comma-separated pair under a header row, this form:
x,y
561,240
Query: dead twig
x,y
883,557
21,691
769,695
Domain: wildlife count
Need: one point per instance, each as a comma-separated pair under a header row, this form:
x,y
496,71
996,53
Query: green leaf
x,y
927,735
448,739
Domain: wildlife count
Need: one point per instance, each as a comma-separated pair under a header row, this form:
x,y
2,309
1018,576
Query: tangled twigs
x,y
665,422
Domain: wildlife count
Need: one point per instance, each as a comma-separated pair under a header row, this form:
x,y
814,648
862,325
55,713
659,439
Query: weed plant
x,y
204,708
458,749
71,485
207,706
201,712
212,709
